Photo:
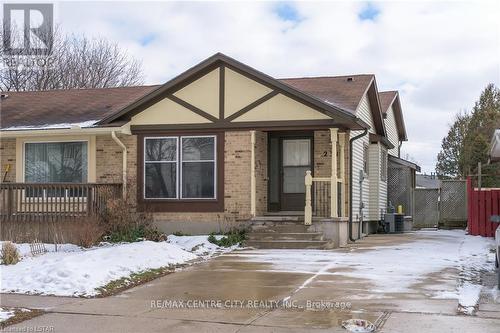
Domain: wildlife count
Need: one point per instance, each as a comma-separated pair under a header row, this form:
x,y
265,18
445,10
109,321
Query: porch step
x,y
279,218
287,244
280,228
264,236
279,231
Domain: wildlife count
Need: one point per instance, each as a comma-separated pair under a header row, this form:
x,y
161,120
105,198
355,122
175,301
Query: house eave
x,y
64,131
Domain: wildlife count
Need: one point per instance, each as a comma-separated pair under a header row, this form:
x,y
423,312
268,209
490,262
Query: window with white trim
x,y
181,167
55,162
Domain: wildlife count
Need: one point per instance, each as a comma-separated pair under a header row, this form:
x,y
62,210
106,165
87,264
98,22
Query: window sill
x,y
181,205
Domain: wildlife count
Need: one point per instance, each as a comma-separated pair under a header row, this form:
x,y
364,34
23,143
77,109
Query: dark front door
x,y
289,159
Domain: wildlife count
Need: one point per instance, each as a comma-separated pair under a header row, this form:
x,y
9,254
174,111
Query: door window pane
x,y
274,171
296,152
56,162
198,180
161,180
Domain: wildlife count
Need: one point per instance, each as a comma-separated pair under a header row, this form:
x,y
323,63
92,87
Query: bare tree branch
x,y
73,62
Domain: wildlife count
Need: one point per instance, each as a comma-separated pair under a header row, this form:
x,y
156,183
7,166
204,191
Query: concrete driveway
x,y
289,291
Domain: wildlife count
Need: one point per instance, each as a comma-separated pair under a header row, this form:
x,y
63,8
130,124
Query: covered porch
x,y
300,173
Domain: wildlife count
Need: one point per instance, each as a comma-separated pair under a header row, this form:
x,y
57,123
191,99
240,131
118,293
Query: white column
x,y
342,141
333,182
253,188
308,207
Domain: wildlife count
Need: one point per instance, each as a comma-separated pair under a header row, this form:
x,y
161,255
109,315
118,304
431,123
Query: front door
x,y
296,160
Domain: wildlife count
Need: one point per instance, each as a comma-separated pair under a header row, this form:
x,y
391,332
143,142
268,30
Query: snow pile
x,y
199,245
5,314
75,271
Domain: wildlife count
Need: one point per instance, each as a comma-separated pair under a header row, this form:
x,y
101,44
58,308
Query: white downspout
x,y
124,162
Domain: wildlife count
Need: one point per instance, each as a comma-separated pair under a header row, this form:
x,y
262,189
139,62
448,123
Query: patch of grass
x,y
135,234
133,280
230,238
180,233
19,316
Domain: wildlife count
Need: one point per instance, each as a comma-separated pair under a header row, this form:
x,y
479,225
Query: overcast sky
x,y
439,55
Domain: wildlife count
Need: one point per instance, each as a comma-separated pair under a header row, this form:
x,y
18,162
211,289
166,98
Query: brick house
x,y
220,140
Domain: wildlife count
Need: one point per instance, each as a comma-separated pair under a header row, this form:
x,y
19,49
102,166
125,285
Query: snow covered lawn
x,y
6,314
73,271
9,316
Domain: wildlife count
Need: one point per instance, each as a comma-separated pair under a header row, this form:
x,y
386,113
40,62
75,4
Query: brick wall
x,y
237,154
322,154
8,157
323,161
261,172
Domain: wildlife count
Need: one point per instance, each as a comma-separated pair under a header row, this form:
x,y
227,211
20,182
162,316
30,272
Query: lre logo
x,y
28,28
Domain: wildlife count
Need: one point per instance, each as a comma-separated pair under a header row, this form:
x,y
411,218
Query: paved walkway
x,y
227,294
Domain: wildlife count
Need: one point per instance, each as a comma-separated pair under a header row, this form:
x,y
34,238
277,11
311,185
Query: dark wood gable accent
x,y
252,105
192,108
342,117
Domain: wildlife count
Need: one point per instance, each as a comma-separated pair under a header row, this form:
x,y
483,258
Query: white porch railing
x,y
319,199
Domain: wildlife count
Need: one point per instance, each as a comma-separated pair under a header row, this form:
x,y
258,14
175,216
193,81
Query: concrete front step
x,y
280,228
286,244
278,218
311,236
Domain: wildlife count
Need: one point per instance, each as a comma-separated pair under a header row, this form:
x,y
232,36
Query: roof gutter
x,y
125,129
351,141
124,162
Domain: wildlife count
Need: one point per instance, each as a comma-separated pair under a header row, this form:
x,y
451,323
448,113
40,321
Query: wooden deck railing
x,y
51,201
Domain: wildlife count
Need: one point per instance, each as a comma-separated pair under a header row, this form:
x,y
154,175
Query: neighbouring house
x,y
428,181
220,142
495,146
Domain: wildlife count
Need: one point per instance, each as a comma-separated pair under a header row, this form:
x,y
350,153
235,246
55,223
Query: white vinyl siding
x,y
374,177
378,187
382,189
392,131
363,112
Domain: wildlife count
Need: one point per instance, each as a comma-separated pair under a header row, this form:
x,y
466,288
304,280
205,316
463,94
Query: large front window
x,y
55,162
180,167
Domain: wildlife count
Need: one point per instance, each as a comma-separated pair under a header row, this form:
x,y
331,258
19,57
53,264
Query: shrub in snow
x,y
123,223
10,254
233,237
89,231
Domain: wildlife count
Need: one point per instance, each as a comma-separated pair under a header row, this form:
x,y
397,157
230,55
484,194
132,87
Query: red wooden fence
x,y
480,206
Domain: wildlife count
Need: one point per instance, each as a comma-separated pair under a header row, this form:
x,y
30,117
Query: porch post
x,y
308,208
342,140
333,182
253,189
